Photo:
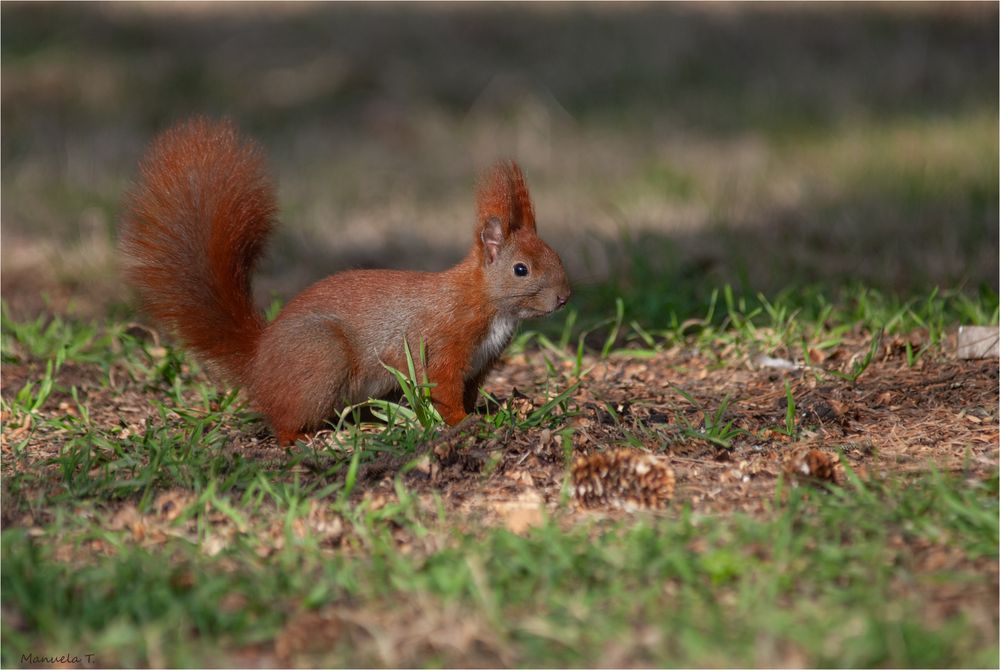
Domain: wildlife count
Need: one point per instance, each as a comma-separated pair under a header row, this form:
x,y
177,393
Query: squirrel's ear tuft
x,y
502,194
523,212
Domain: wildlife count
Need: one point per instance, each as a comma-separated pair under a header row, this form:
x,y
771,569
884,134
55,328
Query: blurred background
x,y
670,148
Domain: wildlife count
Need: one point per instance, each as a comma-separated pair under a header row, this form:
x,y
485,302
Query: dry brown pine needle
x,y
623,479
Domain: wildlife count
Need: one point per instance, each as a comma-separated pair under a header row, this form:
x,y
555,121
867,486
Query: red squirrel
x,y
196,223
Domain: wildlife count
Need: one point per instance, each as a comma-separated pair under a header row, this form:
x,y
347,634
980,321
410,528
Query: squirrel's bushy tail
x,y
193,228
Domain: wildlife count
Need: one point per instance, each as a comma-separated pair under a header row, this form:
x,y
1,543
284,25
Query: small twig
x,y
944,379
698,461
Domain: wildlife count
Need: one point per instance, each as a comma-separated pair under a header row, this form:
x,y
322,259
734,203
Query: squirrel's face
x,y
526,277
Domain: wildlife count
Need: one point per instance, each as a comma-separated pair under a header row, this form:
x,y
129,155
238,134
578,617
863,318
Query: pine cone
x,y
623,479
814,465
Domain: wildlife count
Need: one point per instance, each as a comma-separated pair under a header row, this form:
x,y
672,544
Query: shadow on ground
x,y
763,145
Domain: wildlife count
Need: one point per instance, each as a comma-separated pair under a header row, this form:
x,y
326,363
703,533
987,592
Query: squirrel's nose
x,y
562,299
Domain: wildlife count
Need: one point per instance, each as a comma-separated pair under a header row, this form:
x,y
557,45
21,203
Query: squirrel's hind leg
x,y
301,374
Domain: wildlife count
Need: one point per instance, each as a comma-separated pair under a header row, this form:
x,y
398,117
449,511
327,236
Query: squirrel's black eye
x,y
521,270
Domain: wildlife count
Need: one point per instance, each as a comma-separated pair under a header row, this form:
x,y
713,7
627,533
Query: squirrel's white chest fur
x,y
497,337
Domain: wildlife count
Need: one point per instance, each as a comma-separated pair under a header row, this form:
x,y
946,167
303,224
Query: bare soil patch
x,y
893,421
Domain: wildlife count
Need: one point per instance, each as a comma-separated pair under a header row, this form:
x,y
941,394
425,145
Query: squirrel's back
x,y
194,226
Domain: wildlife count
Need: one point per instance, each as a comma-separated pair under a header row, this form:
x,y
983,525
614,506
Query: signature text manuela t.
x,y
34,659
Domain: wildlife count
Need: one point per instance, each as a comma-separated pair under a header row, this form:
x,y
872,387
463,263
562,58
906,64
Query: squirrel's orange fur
x,y
195,226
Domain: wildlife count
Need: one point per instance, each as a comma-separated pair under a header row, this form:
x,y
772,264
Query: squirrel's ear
x,y
491,235
503,206
493,211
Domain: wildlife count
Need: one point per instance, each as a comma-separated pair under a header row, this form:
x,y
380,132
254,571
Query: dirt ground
x,y
893,421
